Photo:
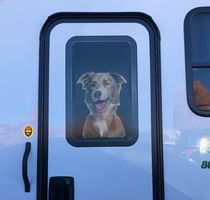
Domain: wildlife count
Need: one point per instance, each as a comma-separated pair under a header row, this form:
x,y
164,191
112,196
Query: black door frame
x,y
155,77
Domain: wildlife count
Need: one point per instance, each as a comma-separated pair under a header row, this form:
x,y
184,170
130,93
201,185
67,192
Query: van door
x,y
98,107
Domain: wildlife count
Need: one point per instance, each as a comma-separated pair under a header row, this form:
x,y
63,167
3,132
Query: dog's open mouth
x,y
100,104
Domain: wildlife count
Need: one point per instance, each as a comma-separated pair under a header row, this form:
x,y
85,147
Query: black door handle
x,y
24,167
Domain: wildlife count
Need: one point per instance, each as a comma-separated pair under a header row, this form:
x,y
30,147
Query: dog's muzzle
x,y
100,104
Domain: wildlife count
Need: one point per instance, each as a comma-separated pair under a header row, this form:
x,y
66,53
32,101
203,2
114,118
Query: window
x,y
101,75
197,55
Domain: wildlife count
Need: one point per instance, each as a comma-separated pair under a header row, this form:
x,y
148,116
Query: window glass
x,y
201,88
200,37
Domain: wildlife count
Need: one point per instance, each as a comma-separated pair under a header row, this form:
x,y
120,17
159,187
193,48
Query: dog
x,y
102,97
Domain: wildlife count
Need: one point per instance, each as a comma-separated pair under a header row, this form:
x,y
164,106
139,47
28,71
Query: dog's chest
x,y
102,126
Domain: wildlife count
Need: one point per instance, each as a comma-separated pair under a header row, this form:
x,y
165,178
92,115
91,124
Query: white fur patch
x,y
102,127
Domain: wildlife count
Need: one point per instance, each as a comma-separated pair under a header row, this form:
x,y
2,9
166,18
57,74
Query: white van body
x,y
107,171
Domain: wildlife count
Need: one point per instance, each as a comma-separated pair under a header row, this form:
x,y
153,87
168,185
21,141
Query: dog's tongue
x,y
100,106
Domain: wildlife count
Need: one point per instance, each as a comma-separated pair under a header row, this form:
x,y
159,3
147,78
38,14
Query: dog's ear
x,y
84,79
118,78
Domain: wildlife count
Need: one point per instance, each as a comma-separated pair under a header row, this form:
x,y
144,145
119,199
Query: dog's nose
x,y
97,94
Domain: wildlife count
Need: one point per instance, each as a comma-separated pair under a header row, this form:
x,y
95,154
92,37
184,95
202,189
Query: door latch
x,y
61,188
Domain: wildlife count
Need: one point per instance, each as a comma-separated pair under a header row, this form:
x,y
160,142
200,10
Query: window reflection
x,y
193,144
201,88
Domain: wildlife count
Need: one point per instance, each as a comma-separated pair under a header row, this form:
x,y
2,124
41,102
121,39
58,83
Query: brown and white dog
x,y
102,98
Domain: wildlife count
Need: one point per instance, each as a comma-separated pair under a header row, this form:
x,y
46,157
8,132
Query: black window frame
x,y
189,63
131,92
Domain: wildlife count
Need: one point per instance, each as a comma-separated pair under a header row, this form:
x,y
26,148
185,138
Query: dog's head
x,y
102,89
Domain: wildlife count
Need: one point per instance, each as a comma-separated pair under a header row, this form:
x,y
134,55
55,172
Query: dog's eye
x,y
107,83
92,85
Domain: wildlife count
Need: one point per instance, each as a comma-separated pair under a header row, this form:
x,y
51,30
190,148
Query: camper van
x,y
105,100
